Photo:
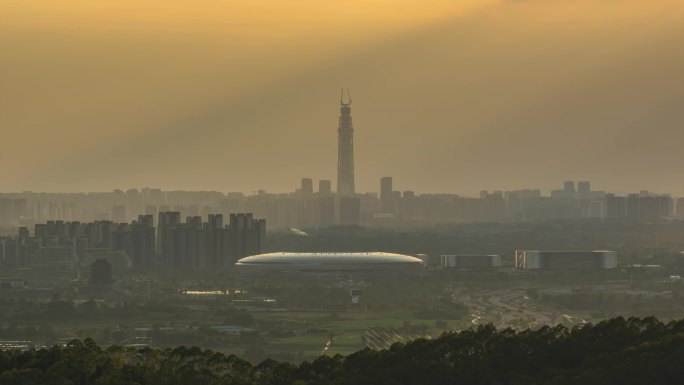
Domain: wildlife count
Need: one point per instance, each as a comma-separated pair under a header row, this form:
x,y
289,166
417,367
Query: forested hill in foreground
x,y
615,351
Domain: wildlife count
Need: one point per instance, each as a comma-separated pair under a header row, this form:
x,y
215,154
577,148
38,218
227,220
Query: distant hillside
x,y
616,351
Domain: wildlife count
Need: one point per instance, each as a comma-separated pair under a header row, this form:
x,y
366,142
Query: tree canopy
x,y
615,351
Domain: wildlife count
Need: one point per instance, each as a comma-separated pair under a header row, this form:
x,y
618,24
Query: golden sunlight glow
x,y
95,85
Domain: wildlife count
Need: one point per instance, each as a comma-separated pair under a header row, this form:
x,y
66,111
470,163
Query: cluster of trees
x,y
615,351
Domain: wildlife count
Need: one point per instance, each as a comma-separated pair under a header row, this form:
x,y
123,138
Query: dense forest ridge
x,y
615,351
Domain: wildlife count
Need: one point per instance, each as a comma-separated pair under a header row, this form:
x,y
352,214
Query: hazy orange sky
x,y
449,96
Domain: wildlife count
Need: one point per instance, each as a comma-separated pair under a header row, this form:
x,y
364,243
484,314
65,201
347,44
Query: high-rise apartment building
x,y
569,187
137,239
583,187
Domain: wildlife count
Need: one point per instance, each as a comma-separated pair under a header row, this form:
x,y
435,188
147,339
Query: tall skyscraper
x,y
345,154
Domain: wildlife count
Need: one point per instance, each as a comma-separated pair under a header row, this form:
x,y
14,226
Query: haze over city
x,y
239,96
341,192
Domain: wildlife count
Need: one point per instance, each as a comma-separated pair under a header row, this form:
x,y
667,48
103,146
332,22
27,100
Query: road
x,y
510,308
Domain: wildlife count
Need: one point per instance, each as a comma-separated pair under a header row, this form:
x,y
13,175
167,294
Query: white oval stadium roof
x,y
290,258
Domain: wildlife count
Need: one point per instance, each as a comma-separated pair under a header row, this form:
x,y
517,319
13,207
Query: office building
x,y
470,261
350,210
307,187
386,195
569,187
565,260
324,187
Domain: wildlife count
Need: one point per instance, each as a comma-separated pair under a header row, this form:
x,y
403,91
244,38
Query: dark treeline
x,y
616,351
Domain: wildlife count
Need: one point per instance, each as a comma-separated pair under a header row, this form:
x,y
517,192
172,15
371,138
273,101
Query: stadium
x,y
370,262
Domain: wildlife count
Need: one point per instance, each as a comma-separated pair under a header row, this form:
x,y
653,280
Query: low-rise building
x,y
565,260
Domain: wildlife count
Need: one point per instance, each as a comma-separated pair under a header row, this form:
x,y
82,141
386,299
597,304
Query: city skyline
x,y
449,98
296,187
346,178
188,195
308,208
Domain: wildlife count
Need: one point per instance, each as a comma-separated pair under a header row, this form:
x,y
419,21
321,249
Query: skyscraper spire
x,y
345,153
342,103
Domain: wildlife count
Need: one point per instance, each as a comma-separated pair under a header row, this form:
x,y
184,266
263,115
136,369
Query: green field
x,y
346,328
